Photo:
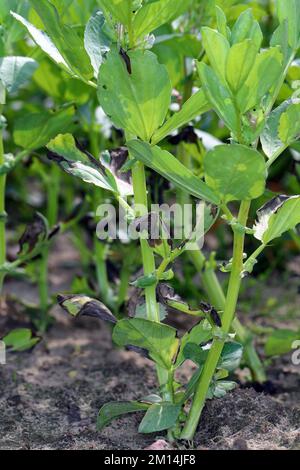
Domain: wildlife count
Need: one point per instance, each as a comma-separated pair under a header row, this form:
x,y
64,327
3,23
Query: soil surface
x,y
50,397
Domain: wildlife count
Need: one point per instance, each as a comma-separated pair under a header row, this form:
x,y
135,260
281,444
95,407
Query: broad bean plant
x,y
239,75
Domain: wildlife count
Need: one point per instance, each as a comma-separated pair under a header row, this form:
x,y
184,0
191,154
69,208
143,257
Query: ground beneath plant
x,y
50,397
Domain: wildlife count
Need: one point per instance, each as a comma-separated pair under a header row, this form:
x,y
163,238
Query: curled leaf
x,y
81,305
35,233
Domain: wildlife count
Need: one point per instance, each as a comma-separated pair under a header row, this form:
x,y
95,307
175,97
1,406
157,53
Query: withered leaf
x,y
35,233
82,305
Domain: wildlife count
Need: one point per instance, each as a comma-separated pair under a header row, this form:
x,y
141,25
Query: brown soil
x,y
50,397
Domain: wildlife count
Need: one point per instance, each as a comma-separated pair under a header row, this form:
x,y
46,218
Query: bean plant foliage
x,y
116,58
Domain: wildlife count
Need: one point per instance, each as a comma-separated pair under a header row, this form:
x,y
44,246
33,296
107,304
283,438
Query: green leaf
x,y
264,74
121,10
138,101
281,342
115,409
96,42
16,71
33,131
289,125
145,281
195,353
44,42
231,356
246,27
156,13
222,22
200,333
196,105
289,10
168,166
235,172
217,48
222,387
241,58
65,39
270,139
159,416
159,339
20,339
279,215
84,166
219,96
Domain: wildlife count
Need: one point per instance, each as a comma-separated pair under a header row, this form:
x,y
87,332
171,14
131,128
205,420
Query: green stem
x,y
217,298
100,253
2,209
227,318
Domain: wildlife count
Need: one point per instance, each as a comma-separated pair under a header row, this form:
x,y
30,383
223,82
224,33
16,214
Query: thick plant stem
x,y
217,345
217,298
2,209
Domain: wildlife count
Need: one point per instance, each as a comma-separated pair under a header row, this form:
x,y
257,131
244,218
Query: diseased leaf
x,y
138,101
196,105
168,166
289,124
72,159
159,339
82,305
16,71
159,416
115,409
279,215
235,172
219,96
35,234
96,41
270,138
33,131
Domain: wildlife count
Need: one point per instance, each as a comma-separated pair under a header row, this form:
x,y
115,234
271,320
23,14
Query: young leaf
x,y
81,305
246,27
65,152
168,166
219,96
196,105
200,333
121,10
96,42
33,131
235,172
222,387
159,416
217,48
241,58
280,342
65,38
20,339
156,13
289,10
115,409
159,339
265,72
222,22
270,138
138,101
279,215
289,125
231,356
16,71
